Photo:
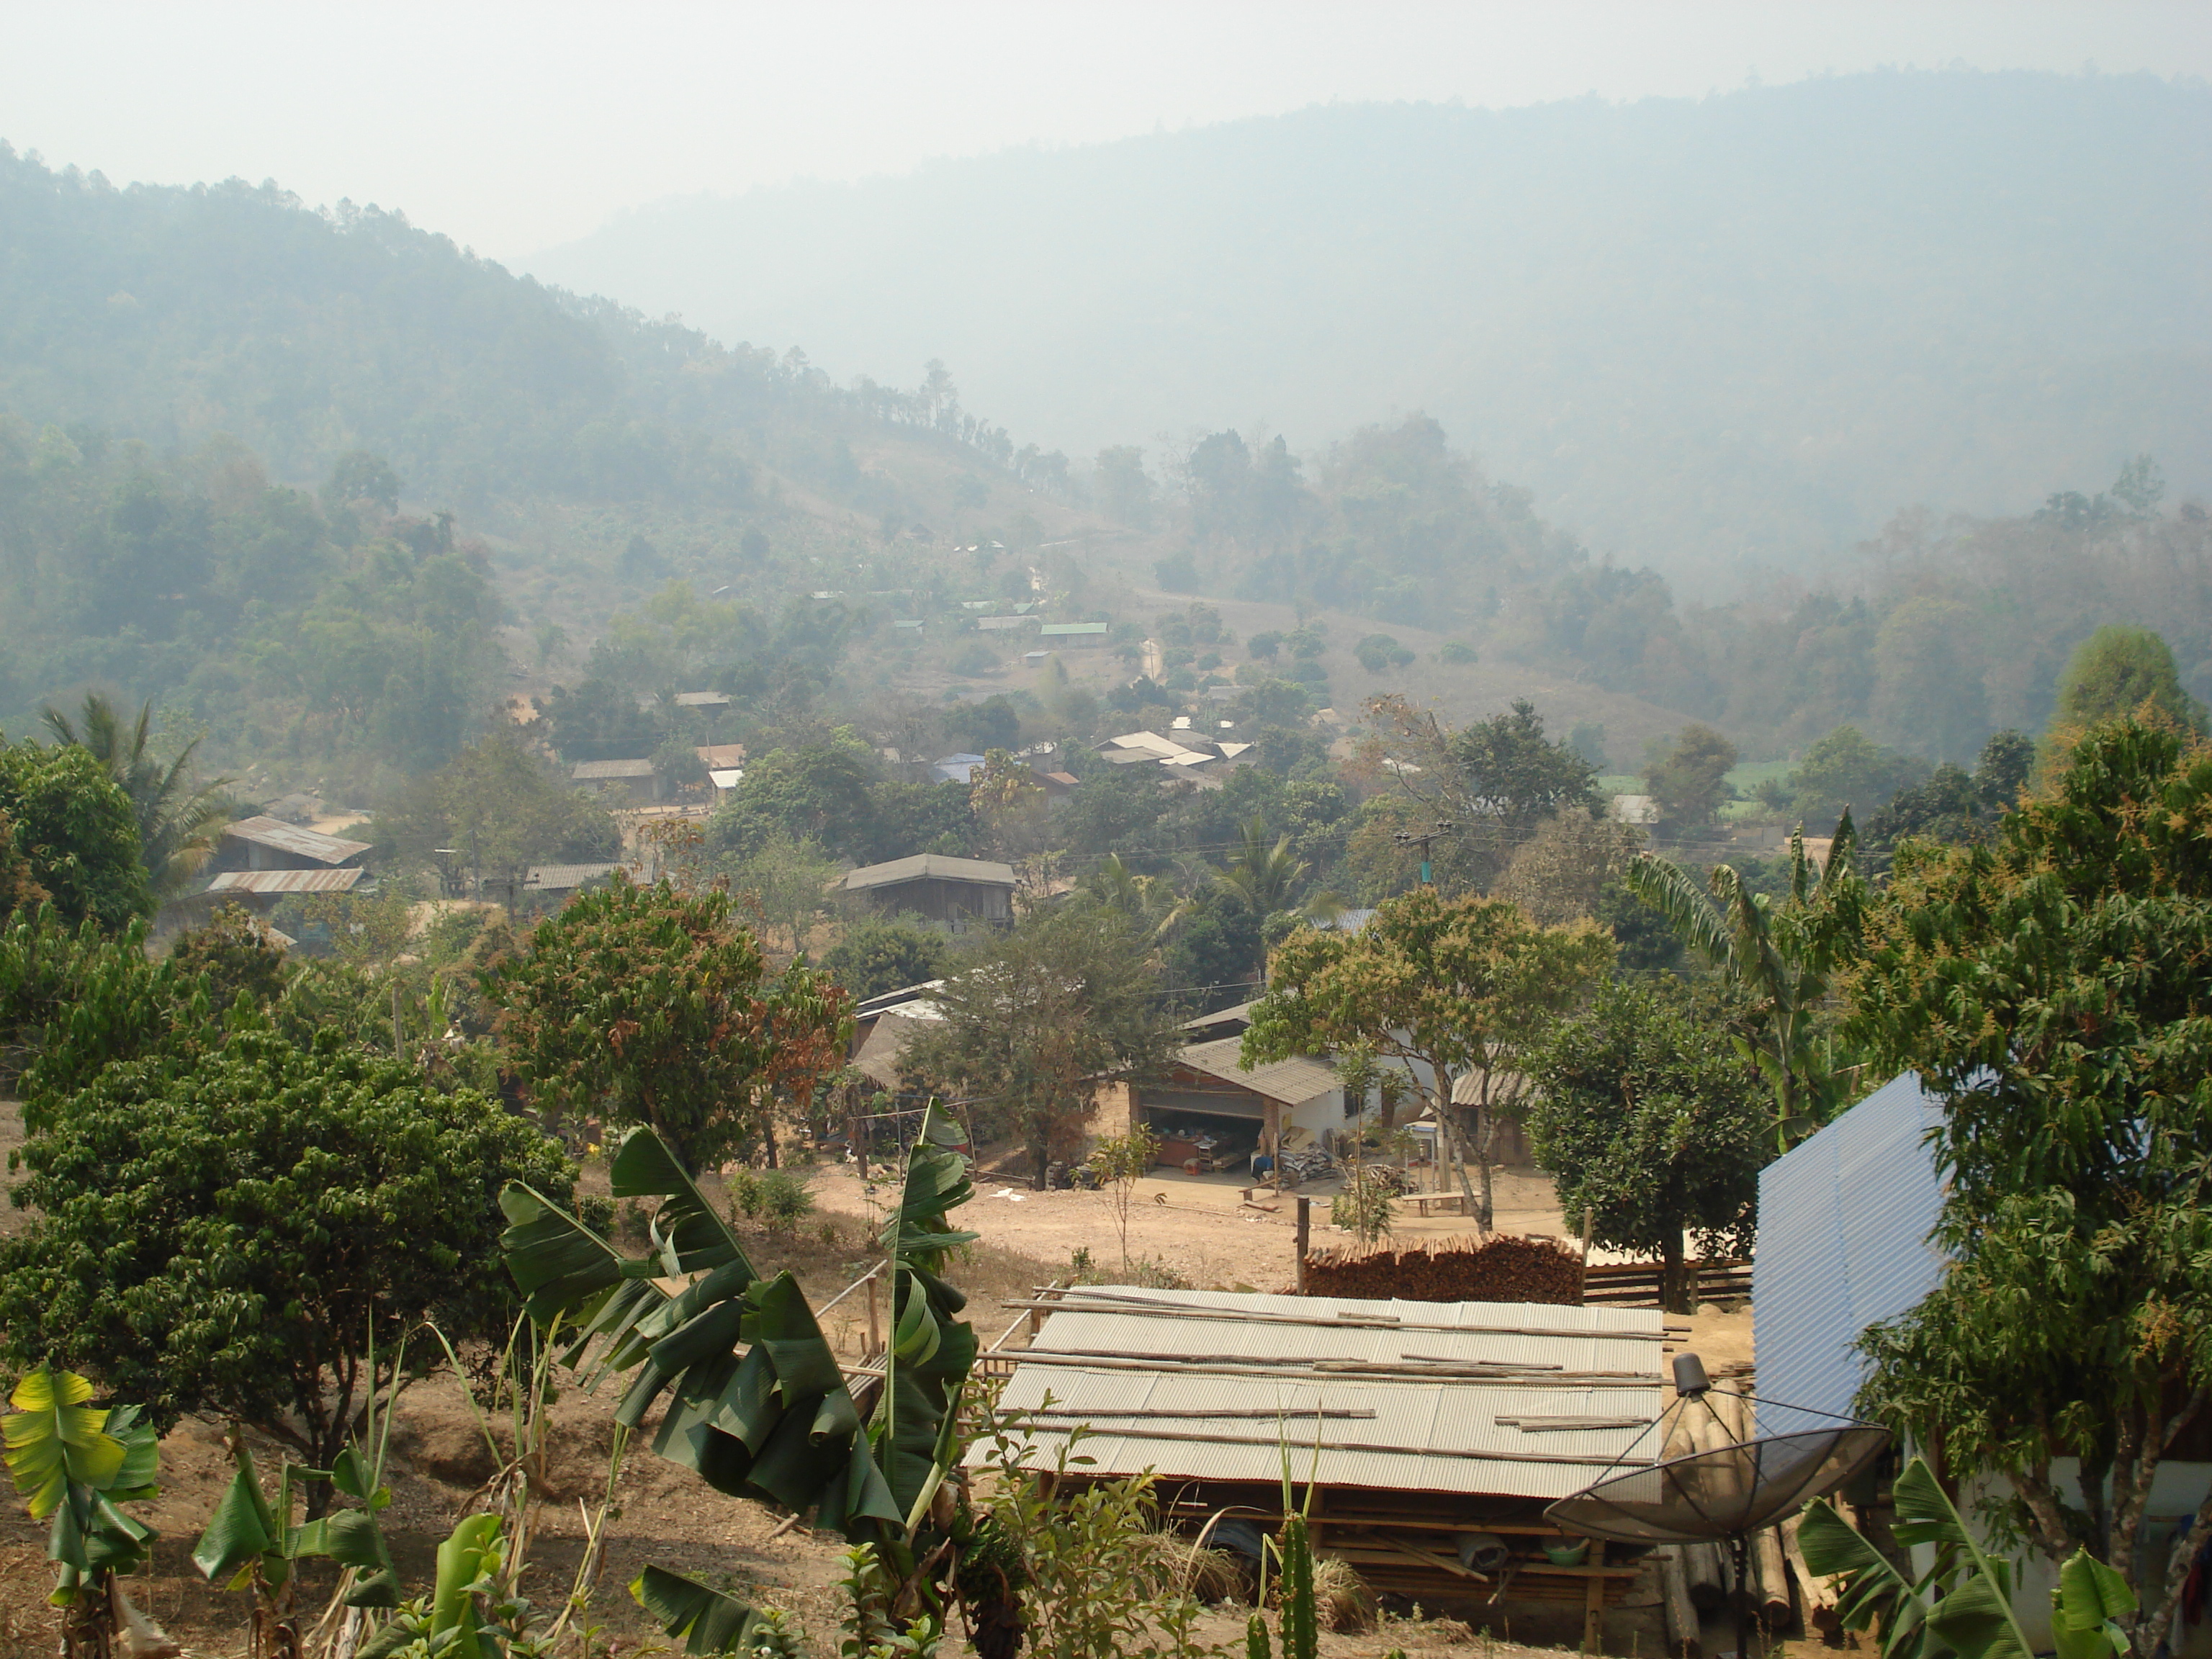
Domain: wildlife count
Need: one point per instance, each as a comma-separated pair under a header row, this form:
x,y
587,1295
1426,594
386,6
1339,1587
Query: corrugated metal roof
x,y
1289,1081
562,878
1844,1221
286,881
878,1057
599,771
296,839
1073,630
702,700
1425,1434
1467,1087
930,866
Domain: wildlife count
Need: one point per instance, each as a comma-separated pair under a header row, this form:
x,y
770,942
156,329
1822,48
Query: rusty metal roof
x,y
296,839
1289,1081
286,881
1517,1436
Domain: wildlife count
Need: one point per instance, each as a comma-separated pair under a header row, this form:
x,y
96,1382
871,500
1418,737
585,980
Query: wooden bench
x,y
1437,1203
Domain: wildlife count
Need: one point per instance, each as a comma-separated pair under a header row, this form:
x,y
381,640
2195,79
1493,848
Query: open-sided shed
x,y
1433,1433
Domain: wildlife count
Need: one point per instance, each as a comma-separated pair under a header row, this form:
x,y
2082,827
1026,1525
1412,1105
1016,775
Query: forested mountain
x,y
1742,328
296,475
171,314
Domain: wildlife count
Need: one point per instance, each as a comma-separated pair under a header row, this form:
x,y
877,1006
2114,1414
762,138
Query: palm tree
x,y
1265,877
177,818
1784,961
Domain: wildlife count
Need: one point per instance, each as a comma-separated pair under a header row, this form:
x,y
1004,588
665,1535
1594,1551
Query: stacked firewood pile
x,y
1503,1269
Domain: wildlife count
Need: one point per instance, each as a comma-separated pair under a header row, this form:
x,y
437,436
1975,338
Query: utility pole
x,y
1422,839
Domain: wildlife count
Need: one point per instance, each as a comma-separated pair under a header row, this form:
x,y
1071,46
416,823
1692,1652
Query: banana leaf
x,y
1961,1607
757,1404
243,1530
707,1620
76,1461
55,1440
2087,1605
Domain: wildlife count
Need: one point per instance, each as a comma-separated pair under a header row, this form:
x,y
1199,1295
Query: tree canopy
x,y
1652,1126
223,1236
1456,989
1036,1020
76,833
649,1006
2048,988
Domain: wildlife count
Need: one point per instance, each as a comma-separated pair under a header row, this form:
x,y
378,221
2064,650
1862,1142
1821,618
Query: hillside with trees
x,y
1708,334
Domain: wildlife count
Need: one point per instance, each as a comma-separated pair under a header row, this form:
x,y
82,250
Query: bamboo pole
x,y
1098,1302
1681,1614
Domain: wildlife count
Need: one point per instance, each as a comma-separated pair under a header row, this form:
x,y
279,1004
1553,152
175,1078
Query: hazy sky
x,y
514,127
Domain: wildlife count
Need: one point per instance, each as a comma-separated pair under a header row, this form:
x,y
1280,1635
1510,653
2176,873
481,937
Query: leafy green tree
x,y
233,954
1380,652
1782,959
177,816
1493,782
1459,990
2049,990
2115,672
1846,770
651,1007
1653,1126
1125,494
1035,1020
817,792
19,889
598,720
75,830
1690,780
359,476
501,809
1928,684
224,1235
1953,805
876,956
676,763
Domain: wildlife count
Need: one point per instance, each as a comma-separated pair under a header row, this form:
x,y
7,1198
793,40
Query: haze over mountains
x,y
1708,334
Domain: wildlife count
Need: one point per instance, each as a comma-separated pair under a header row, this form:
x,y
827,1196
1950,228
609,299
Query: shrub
x,y
215,1235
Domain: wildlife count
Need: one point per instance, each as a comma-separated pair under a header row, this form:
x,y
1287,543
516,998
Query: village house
x,y
958,892
618,782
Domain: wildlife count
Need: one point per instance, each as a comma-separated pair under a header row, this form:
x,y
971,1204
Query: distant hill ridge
x,y
1744,328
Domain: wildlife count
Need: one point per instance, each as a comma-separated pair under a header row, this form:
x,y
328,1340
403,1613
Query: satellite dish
x,y
1722,1493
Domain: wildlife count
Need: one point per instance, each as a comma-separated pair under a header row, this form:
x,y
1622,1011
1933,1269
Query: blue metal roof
x,y
1843,1222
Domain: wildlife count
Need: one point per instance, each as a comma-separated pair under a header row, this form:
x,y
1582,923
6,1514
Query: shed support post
x,y
1305,1237
1593,1604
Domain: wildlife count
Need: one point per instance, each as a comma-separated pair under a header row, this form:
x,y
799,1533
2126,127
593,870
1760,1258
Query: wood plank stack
x,y
1636,1284
1503,1269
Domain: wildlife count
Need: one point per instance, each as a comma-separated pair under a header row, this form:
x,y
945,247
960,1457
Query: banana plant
x,y
1784,960
76,1461
251,1544
1962,1607
758,1405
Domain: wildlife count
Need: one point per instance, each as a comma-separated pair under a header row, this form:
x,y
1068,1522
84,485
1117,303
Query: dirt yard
x,y
1198,1227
